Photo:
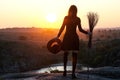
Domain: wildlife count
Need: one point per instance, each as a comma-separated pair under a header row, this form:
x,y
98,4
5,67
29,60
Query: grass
x,y
31,55
24,56
103,53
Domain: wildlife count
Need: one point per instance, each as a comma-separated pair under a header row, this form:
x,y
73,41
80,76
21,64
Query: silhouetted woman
x,y
71,40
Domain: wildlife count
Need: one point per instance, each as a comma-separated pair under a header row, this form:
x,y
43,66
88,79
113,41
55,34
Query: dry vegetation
x,y
25,49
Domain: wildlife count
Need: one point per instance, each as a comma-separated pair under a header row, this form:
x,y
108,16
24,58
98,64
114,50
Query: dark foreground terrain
x,y
102,73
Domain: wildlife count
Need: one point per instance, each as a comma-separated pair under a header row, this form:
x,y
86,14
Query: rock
x,y
108,71
102,73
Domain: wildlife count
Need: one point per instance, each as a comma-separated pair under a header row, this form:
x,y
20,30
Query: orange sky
x,y
28,13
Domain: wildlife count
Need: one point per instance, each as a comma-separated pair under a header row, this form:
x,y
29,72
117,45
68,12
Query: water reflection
x,y
59,67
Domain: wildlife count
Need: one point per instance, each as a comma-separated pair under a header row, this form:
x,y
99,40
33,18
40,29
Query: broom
x,y
92,20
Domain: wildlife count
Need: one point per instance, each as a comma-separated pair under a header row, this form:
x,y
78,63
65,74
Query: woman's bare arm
x,y
62,27
80,28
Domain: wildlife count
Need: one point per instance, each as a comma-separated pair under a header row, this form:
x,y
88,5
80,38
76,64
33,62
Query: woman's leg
x,y
65,62
74,62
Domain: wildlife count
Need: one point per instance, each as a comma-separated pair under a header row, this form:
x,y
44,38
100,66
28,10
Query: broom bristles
x,y
92,19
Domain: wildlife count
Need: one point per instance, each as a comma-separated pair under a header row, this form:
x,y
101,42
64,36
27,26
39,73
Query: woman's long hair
x,y
72,11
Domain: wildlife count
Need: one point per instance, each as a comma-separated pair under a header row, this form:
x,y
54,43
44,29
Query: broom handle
x,y
90,41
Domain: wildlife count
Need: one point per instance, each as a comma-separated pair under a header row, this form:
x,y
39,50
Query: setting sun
x,y
47,13
51,17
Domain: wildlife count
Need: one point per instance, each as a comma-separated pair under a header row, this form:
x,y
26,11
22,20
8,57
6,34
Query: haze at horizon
x,y
28,13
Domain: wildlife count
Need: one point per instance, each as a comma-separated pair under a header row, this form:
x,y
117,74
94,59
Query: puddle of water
x,y
59,67
55,67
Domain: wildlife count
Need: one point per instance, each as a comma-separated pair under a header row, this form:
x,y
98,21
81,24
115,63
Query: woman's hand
x,y
56,37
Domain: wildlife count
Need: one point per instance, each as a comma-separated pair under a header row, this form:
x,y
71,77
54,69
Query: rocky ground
x,y
103,73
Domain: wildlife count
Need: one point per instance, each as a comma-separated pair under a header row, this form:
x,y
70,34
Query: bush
x,y
103,53
22,38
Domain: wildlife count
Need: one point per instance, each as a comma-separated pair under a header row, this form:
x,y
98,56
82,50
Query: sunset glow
x,y
47,13
51,17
